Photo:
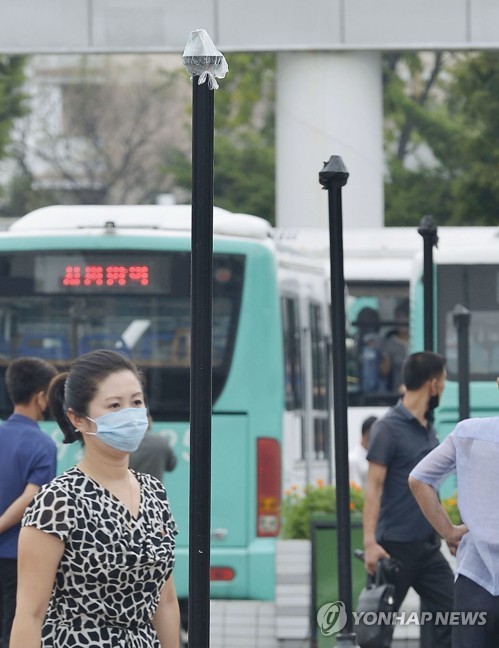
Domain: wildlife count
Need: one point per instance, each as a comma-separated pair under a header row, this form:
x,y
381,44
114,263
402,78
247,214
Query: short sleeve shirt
x,y
114,566
472,452
27,456
399,441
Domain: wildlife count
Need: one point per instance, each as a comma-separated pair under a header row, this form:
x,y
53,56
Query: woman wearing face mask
x,y
96,548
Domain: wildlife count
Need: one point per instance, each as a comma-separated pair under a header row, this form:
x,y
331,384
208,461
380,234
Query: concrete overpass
x,y
329,95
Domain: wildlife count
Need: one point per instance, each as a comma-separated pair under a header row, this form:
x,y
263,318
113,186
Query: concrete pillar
x,y
329,103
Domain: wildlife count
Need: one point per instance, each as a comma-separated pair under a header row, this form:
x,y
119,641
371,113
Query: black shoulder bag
x,y
376,607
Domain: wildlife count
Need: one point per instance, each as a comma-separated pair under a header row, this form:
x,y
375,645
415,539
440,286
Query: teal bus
x,y
383,270
77,278
466,273
378,264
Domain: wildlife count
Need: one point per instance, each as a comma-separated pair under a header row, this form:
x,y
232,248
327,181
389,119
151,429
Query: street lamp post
x,y
333,177
462,316
205,63
428,230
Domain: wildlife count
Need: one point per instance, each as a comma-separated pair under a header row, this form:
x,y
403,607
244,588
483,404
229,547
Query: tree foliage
x,y
106,133
244,147
474,99
12,97
113,135
416,132
98,135
442,122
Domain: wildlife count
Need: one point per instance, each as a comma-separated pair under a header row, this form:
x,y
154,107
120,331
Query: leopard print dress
x,y
110,577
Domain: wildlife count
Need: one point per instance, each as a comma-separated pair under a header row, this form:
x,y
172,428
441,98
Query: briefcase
x,y
376,608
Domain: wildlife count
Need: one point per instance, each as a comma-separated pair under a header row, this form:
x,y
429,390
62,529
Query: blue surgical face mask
x,y
122,430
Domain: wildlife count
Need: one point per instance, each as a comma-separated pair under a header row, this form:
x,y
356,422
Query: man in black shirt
x,y
393,523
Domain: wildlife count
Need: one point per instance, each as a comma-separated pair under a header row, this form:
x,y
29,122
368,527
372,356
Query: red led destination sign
x,y
105,275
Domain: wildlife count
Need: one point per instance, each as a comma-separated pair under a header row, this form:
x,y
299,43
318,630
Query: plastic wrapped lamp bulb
x,y
201,58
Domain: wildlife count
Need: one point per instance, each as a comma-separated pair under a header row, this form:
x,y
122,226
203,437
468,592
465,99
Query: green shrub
x,y
450,505
298,506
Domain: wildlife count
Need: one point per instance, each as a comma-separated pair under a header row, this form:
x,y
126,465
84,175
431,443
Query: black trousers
x,y
425,569
481,609
8,587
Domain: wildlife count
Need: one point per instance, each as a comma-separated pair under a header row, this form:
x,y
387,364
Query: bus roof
x,y
388,253
469,254
379,254
161,217
476,245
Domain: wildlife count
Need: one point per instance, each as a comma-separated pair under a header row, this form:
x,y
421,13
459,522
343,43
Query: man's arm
x,y
427,498
424,481
376,476
14,513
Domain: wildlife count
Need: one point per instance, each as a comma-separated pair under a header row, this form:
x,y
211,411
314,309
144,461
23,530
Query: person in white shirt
x,y
357,457
471,452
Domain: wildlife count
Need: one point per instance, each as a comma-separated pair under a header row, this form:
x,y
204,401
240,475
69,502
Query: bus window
x,y
318,358
57,305
319,387
377,341
292,353
477,288
321,437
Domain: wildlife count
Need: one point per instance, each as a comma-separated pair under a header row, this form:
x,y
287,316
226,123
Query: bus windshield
x,y
57,306
476,287
377,340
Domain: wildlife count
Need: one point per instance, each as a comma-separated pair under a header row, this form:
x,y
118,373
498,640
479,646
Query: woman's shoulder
x,y
55,508
67,482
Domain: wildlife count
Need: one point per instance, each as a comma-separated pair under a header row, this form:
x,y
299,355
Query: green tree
x,y
12,98
474,101
22,196
244,147
115,117
420,138
442,125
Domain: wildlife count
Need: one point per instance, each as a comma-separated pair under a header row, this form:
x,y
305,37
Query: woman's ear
x,y
76,419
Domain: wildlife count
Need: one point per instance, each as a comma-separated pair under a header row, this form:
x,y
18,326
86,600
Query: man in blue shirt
x,y
472,452
27,461
393,522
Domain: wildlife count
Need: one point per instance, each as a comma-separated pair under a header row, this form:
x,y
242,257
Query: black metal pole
x,y
462,316
333,177
428,231
328,346
201,376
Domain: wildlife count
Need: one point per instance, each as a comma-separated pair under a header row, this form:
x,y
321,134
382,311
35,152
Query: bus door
x,y
306,437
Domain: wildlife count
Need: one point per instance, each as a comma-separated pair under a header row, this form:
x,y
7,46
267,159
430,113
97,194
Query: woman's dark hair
x,y
421,367
75,389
